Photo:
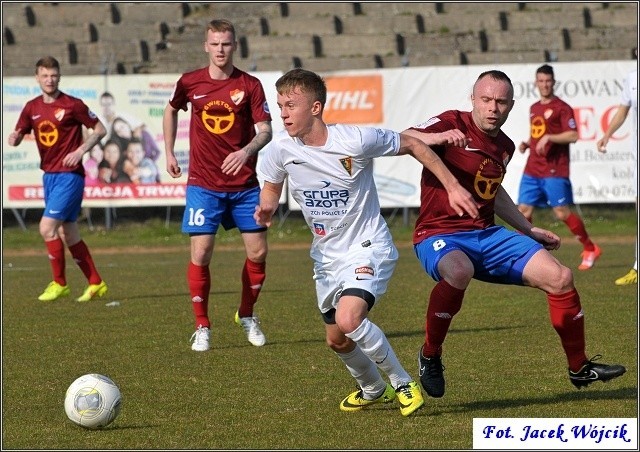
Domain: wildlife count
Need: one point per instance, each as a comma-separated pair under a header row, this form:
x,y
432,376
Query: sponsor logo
x,y
443,315
354,99
34,117
54,212
198,96
592,376
430,122
328,199
364,270
472,149
385,356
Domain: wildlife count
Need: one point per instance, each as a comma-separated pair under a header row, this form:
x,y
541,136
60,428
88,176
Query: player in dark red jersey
x,y
545,182
56,120
227,105
454,249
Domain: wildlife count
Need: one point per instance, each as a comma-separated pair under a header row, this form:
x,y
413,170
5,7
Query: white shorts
x,y
360,268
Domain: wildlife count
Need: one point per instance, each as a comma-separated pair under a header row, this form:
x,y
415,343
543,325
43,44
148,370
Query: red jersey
x,y
223,114
57,129
479,167
554,117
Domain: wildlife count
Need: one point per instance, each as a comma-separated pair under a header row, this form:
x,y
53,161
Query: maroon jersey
x,y
57,129
223,114
479,167
554,117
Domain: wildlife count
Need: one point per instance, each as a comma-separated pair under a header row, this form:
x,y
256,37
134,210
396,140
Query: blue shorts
x,y
206,210
498,254
545,191
63,194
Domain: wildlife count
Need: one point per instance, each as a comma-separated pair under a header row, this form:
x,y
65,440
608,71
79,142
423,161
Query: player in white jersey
x,y
330,174
628,101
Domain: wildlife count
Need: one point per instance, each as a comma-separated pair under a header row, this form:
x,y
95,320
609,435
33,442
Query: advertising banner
x,y
412,95
128,105
392,98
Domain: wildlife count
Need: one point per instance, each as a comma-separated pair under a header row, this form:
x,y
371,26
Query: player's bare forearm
x,y
453,137
15,138
546,238
269,201
75,158
169,131
264,135
506,209
614,125
459,198
234,162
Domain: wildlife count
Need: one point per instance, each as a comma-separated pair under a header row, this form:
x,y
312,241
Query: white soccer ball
x,y
92,401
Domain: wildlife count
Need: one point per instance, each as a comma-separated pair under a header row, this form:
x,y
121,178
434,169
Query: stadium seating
x,y
101,38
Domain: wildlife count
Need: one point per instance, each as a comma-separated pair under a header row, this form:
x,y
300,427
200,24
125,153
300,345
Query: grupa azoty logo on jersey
x,y
326,198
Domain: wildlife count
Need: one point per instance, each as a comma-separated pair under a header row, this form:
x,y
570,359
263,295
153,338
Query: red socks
x,y
83,258
253,276
55,248
568,321
199,280
444,302
576,226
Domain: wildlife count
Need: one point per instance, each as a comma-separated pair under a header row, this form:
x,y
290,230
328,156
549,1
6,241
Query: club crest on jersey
x,y
236,96
346,164
547,113
319,229
59,114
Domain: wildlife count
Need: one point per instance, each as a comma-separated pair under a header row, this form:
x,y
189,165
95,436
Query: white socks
x,y
374,344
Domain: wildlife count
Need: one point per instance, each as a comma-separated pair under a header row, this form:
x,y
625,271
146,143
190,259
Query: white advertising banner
x,y
404,97
139,100
391,98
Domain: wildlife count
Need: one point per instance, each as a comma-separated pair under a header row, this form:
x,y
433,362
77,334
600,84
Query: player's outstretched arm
x,y
459,199
614,125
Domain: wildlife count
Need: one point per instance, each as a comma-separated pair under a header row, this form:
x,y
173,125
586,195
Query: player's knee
x,y
560,281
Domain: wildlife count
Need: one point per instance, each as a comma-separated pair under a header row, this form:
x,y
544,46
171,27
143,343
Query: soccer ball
x,y
92,401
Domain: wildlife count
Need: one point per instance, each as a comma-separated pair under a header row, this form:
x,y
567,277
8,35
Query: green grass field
x,y
502,357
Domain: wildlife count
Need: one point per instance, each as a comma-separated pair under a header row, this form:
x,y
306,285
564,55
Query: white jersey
x,y
334,185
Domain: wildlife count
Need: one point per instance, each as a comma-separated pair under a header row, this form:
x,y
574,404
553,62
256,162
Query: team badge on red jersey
x,y
236,96
59,114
